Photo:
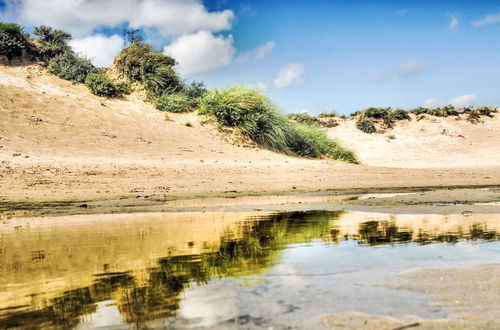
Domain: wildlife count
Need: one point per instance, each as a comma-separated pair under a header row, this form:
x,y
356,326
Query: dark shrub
x,y
378,113
174,103
366,125
400,114
420,110
486,111
13,41
71,67
99,84
51,42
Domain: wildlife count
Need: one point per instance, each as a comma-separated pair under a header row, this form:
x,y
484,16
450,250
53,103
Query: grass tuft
x,y
252,113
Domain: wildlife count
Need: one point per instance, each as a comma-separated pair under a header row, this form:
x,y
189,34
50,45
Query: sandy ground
x,y
59,142
425,142
471,294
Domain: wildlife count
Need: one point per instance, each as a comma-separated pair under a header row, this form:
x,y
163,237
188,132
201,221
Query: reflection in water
x,y
142,268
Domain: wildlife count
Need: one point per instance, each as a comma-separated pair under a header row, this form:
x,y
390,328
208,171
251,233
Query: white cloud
x,y
412,68
304,110
463,101
291,74
488,19
258,53
453,24
80,17
401,12
433,103
201,52
101,50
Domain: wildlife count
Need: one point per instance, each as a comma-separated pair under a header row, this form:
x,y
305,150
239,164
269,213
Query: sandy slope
x,y
424,143
58,141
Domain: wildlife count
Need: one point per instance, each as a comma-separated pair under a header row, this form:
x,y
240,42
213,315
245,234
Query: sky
x,y
315,56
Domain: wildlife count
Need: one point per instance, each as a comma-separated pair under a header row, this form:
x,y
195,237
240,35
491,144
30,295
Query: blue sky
x,y
332,55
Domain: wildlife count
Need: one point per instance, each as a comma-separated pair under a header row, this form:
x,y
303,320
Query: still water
x,y
227,269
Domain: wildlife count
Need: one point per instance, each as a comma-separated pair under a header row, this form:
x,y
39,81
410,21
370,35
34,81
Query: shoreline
x,y
411,200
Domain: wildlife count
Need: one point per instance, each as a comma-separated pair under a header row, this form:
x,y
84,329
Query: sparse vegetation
x,y
303,118
252,113
174,103
366,125
71,67
99,84
328,114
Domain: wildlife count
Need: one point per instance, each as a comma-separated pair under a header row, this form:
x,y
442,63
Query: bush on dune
x,y
14,42
140,62
71,67
99,84
252,113
366,125
51,42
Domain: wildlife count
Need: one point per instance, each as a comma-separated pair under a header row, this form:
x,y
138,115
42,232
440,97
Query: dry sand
x,y
60,142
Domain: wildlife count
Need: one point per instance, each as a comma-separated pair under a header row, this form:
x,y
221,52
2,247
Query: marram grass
x,y
253,114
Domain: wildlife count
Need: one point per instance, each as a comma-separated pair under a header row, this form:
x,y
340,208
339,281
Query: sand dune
x,y
58,141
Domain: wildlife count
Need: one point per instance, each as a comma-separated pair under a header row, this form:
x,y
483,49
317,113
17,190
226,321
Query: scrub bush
x,y
71,67
366,125
99,84
13,41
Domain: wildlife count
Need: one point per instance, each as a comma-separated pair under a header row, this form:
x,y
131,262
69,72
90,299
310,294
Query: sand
x,y
58,142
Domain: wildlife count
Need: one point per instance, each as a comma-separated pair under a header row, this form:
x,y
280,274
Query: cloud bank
x,y
81,17
201,52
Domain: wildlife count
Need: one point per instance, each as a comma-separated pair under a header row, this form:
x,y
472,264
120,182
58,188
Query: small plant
x,y
195,90
391,137
71,67
174,103
366,125
188,124
99,84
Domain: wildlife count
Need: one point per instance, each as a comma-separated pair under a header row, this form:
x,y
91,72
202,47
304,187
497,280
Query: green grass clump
x,y
315,143
174,103
71,67
99,84
366,125
13,41
303,118
252,113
